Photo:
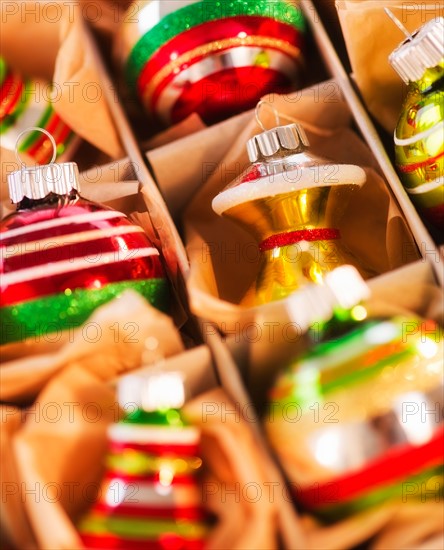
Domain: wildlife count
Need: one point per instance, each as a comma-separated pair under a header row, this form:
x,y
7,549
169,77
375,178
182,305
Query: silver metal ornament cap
x,y
279,141
424,50
37,182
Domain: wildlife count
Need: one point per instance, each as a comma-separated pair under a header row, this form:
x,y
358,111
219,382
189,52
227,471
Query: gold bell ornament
x,y
291,201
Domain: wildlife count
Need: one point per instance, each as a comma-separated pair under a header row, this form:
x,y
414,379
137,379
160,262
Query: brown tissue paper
x,y
370,36
15,528
28,367
228,453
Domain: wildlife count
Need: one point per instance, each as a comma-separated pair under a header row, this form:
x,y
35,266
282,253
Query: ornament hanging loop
x,y
398,23
263,103
35,129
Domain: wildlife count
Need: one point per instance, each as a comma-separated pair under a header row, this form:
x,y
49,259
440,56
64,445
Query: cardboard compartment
x,y
375,96
157,189
46,374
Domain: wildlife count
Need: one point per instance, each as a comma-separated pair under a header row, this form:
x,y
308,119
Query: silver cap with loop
x,y
279,142
37,182
420,51
152,390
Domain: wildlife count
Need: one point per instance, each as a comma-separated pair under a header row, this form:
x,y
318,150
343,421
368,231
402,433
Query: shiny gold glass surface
x,y
287,268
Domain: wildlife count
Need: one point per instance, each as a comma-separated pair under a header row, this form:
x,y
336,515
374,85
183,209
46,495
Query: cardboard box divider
x,y
159,211
226,369
162,224
423,239
426,245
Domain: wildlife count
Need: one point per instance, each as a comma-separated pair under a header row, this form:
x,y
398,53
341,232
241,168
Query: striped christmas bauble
x,y
150,496
65,257
419,134
26,103
358,421
214,58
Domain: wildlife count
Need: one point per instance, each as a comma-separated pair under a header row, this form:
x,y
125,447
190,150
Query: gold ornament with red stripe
x,y
26,103
210,57
419,134
63,256
357,421
291,202
151,497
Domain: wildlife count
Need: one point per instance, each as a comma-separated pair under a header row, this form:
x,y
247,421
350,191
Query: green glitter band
x,y
96,524
53,314
170,417
192,15
335,512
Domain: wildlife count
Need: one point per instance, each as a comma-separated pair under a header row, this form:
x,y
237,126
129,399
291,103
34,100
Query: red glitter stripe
x,y
192,513
167,541
407,168
396,465
160,449
292,237
213,31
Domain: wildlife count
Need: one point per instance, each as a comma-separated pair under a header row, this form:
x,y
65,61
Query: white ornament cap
x,y
343,287
421,52
152,391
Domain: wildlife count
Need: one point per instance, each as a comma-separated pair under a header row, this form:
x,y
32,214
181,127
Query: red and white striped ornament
x,y
151,498
209,57
63,256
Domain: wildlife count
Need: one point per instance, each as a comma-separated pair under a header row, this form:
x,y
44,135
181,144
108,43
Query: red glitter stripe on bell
x,y
115,542
293,237
396,465
192,513
407,168
161,449
212,32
